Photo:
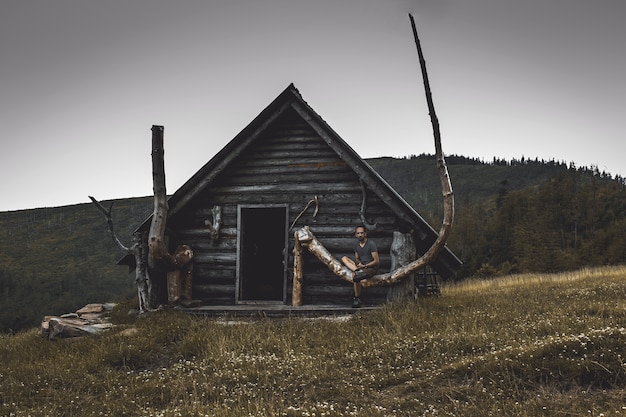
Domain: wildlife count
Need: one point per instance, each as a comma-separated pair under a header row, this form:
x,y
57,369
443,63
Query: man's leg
x,y
356,301
349,263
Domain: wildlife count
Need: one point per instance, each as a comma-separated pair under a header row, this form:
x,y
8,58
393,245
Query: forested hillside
x,y
55,260
518,216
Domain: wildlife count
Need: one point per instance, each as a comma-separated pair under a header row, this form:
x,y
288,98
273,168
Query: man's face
x,y
360,233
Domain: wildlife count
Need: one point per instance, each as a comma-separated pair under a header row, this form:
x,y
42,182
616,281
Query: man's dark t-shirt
x,y
365,252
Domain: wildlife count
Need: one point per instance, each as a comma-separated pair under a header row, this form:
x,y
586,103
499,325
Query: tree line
x,y
520,215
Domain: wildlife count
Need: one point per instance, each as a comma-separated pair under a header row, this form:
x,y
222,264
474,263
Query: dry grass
x,y
527,345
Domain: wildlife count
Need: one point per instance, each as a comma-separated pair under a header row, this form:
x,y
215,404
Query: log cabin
x,y
285,170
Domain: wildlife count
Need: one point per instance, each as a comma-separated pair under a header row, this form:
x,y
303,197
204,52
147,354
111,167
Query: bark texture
x,y
403,252
176,264
296,294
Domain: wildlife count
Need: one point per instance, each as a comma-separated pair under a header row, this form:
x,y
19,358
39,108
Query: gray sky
x,y
83,81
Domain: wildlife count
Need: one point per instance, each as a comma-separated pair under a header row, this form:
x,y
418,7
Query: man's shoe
x,y
359,276
356,302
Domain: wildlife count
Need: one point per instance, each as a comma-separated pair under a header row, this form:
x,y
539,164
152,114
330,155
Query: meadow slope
x,y
523,345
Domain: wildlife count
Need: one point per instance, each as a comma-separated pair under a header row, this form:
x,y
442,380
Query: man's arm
x,y
375,260
357,258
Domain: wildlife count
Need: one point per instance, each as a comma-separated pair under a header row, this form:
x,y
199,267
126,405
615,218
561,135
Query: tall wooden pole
x,y
178,264
158,249
444,176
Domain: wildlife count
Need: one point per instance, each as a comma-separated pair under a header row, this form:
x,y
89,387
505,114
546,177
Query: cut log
x,y
90,320
60,328
309,241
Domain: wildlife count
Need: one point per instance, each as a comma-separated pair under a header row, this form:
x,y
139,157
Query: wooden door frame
x,y
239,263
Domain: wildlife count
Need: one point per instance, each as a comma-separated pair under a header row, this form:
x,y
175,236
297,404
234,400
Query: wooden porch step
x,y
273,310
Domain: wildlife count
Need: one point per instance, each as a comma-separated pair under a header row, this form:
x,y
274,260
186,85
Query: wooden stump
x,y
403,252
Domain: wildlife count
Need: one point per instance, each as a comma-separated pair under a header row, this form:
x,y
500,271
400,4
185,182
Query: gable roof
x,y
446,263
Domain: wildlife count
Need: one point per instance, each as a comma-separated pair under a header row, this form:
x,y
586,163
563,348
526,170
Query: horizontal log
x,y
224,291
207,246
216,276
306,145
202,231
308,188
304,160
346,292
285,132
283,194
298,140
284,137
282,154
216,258
217,301
269,176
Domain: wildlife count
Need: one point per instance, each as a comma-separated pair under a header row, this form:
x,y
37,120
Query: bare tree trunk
x,y
156,244
159,255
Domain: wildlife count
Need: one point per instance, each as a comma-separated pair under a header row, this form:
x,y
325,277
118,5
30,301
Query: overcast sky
x,y
83,81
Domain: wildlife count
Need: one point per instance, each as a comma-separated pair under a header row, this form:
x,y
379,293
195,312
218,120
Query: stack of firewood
x,y
89,320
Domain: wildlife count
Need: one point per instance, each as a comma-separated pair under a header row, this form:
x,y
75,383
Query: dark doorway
x,y
261,261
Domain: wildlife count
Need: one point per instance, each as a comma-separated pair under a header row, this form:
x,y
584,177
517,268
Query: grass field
x,y
527,345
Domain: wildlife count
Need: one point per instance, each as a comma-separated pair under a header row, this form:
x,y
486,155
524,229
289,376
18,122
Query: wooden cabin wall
x,y
290,164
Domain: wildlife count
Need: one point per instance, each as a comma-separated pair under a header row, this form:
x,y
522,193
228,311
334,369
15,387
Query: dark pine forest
x,y
511,216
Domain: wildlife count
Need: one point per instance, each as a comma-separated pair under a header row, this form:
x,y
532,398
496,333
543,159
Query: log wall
x,y
289,164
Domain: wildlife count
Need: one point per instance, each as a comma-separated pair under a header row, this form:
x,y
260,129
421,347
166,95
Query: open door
x,y
261,254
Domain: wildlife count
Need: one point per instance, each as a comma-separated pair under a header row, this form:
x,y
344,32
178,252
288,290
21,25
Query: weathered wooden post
x,y
296,293
159,256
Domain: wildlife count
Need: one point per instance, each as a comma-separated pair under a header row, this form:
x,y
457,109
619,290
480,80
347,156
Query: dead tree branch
x,y
137,250
214,227
364,221
317,207
109,220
